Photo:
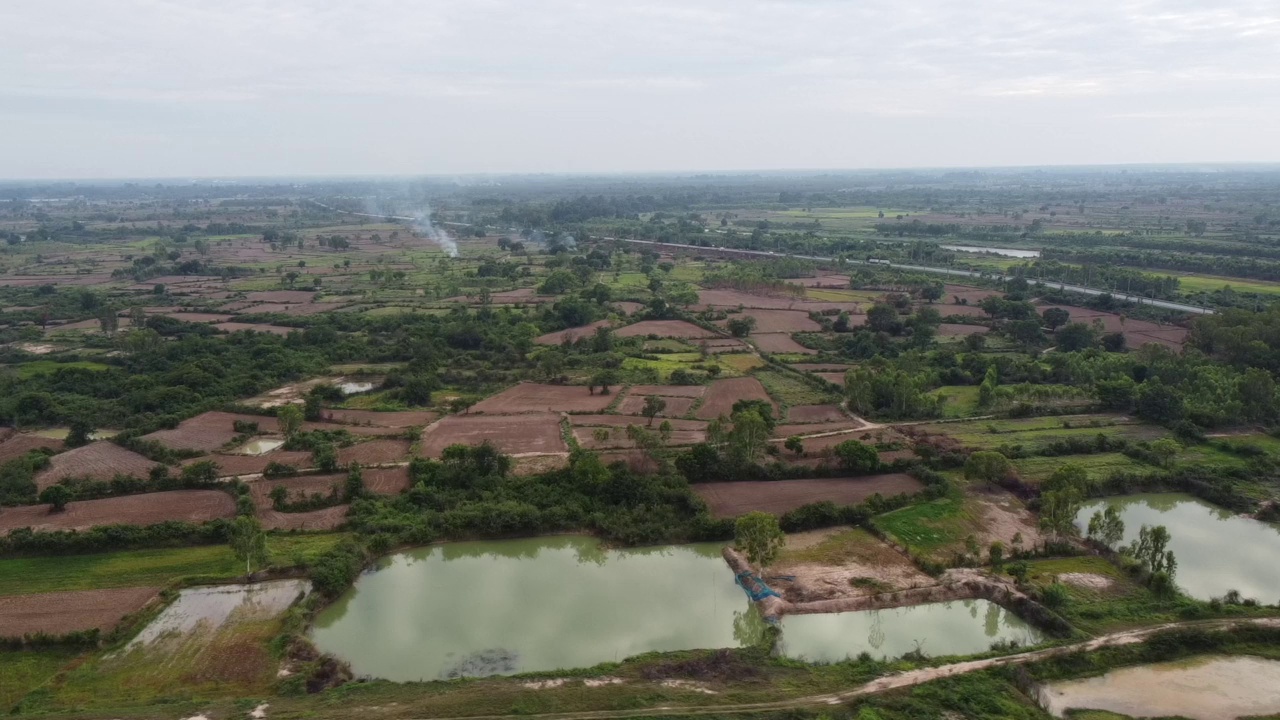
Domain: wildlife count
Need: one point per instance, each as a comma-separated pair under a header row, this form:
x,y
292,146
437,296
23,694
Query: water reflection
x,y
481,608
951,628
1216,550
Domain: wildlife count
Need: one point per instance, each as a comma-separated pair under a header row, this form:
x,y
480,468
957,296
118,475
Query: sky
x,y
201,88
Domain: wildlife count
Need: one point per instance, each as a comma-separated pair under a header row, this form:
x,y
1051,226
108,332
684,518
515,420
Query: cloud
x,y
449,86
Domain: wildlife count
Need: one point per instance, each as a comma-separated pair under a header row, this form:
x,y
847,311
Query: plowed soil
x,y
676,406
229,465
780,343
59,613
689,391
403,419
145,509
100,460
732,499
815,414
572,334
375,452
783,321
326,519
957,330
618,440
534,397
208,431
724,393
529,433
664,328
19,445
254,327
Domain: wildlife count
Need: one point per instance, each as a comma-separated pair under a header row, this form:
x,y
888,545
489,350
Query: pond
x,y
1216,549
960,627
474,609
1206,688
258,446
1006,252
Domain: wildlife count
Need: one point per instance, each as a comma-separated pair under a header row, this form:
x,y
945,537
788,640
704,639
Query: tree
x,y
932,291
1165,451
79,433
1106,527
1151,549
748,438
795,445
1055,317
883,318
742,327
988,466
758,535
279,497
996,554
988,389
355,482
1114,342
604,379
109,320
56,495
248,541
1076,336
290,418
653,406
1058,510
856,457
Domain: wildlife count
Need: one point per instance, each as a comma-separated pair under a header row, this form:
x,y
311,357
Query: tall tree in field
x,y
653,406
1106,527
290,418
758,535
248,541
988,466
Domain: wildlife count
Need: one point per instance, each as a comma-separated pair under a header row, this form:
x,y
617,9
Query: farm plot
x,y
146,509
958,330
622,421
231,327
633,404
736,298
59,613
687,391
836,378
731,499
375,452
534,397
330,518
209,431
298,488
843,562
615,438
100,460
939,528
664,328
780,343
723,394
18,445
1034,470
799,414
570,335
791,389
517,434
402,419
281,296
198,317
235,465
779,321
1035,433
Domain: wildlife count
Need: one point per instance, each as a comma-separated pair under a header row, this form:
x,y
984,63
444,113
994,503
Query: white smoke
x,y
422,223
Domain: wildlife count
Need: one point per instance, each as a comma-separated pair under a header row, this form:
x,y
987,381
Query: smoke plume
x,y
422,223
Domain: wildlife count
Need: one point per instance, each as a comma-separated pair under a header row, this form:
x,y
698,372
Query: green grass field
x,y
959,400
1034,470
928,526
790,390
142,568
23,671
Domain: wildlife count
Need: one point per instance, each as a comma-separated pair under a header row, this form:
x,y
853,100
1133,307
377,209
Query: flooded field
x,y
502,607
1206,688
207,609
1005,252
259,446
959,627
1216,549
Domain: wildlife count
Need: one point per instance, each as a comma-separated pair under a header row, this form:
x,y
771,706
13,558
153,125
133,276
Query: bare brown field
x,y
958,330
789,429
815,414
572,334
664,328
535,397
724,393
231,327
229,465
401,419
99,460
676,406
840,282
375,452
281,296
965,310
732,499
299,488
832,377
780,343
529,433
387,481
623,421
689,391
736,298
145,509
209,431
60,613
18,445
779,321
198,317
974,295
618,440
330,518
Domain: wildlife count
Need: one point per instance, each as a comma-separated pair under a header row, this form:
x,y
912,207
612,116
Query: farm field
x,y
531,397
145,509
514,434
60,613
731,499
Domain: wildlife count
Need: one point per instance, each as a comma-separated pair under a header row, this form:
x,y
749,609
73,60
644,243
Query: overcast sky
x,y
188,88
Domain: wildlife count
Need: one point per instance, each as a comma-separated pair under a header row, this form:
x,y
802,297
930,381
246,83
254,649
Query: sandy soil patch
x,y
529,433
570,335
538,464
1088,581
535,397
100,460
843,562
731,499
146,509
1002,516
664,328
59,613
722,394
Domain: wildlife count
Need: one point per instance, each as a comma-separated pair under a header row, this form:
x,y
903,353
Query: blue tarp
x,y
755,588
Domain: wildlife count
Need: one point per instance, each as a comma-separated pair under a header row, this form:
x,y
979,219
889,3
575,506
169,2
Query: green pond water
x,y
1216,549
474,609
1204,688
960,627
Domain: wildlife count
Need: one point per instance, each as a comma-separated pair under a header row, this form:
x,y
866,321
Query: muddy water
x,y
1208,688
960,627
209,608
258,446
1216,549
503,607
1006,252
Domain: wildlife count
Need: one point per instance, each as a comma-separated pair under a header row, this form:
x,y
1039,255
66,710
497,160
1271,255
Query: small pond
x,y
474,609
960,627
209,608
1216,549
1206,688
258,446
1006,252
